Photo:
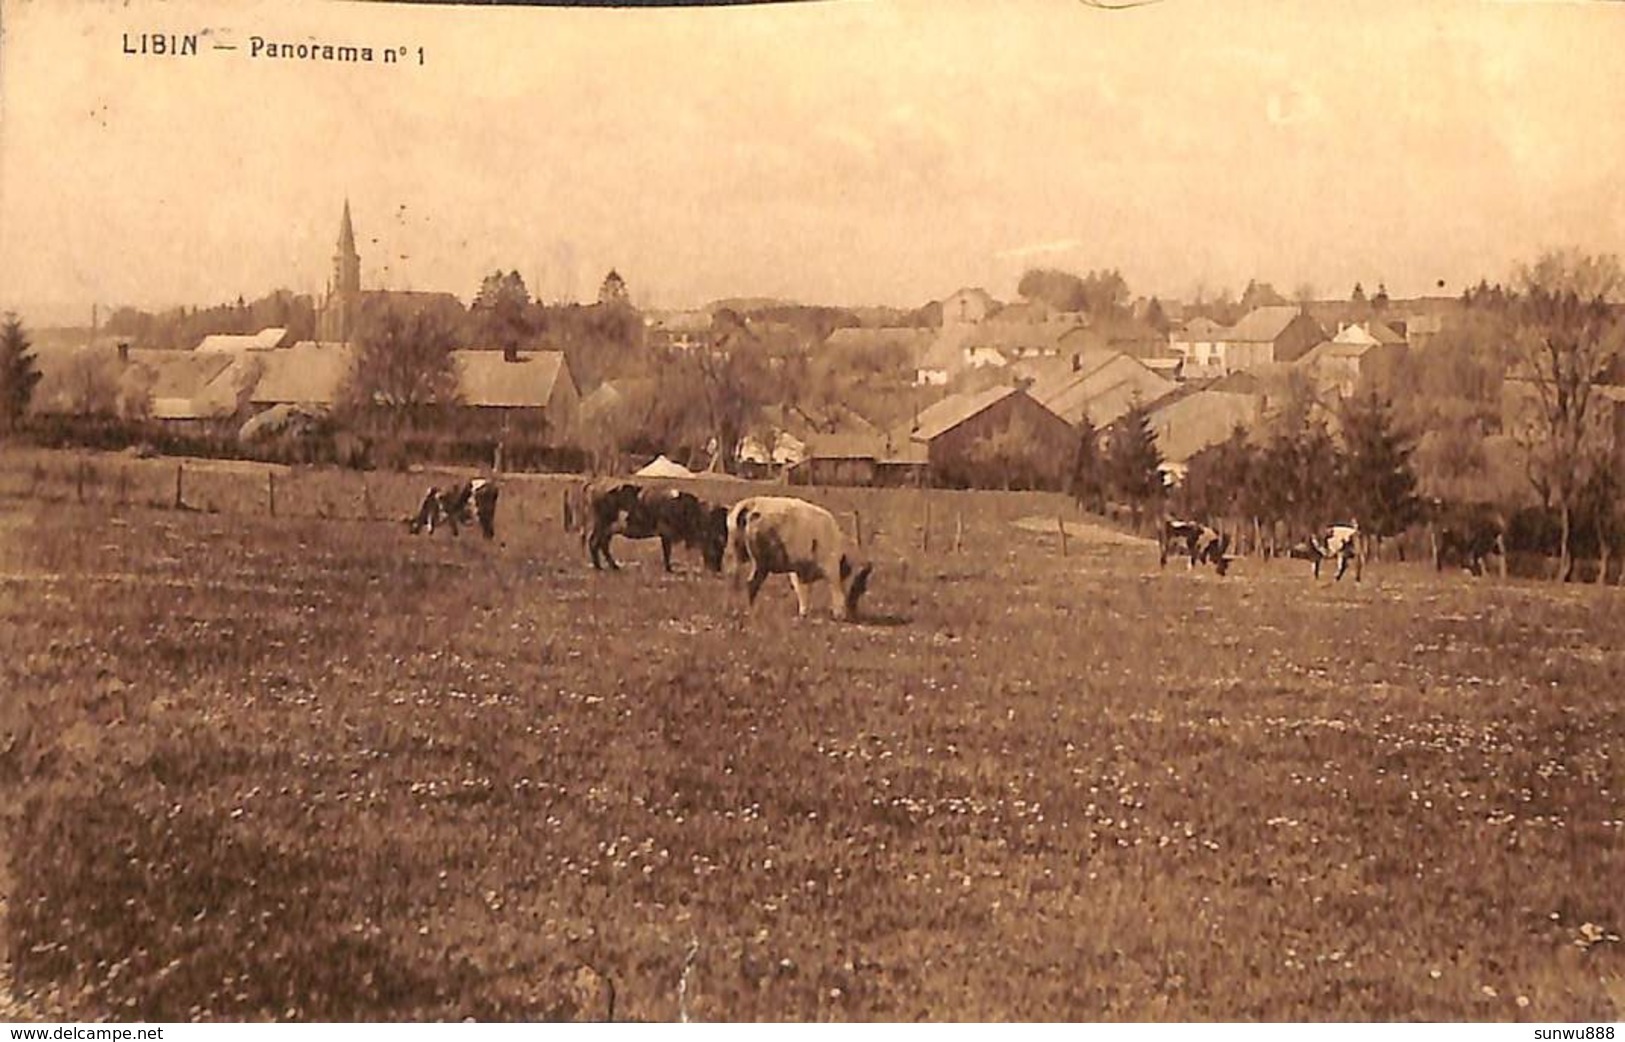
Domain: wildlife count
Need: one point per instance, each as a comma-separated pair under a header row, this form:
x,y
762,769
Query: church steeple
x,y
346,262
344,292
346,232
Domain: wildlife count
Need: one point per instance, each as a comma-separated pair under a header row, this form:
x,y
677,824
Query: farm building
x,y
504,392
178,387
979,439
1186,423
309,373
861,459
1103,385
1268,334
229,343
1197,342
1361,356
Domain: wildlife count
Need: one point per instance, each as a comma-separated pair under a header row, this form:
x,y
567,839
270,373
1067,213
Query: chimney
x,y
510,353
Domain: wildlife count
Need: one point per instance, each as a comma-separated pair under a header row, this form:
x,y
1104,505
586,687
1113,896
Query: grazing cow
x,y
452,505
635,512
779,535
1198,543
1338,541
1467,537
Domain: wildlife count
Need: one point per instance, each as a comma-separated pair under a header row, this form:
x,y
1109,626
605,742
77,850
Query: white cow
x,y
780,535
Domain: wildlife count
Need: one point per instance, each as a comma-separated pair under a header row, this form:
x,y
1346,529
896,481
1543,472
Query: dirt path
x,y
1087,531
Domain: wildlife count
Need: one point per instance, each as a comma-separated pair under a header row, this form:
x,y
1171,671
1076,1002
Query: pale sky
x,y
841,152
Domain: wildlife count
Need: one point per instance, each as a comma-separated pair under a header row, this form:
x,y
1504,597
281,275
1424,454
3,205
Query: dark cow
x,y
635,512
1196,542
780,535
452,505
1338,541
1467,536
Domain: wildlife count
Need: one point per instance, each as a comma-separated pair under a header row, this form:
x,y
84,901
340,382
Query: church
x,y
346,304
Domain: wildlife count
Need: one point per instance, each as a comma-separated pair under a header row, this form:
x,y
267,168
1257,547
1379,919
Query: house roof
x,y
487,379
1104,389
1190,423
1262,325
185,385
1199,328
308,373
955,409
264,340
1258,379
947,350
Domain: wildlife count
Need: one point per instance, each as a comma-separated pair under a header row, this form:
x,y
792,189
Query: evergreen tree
x,y
613,289
1358,295
1133,461
1379,485
18,373
1380,301
1156,317
1088,484
501,311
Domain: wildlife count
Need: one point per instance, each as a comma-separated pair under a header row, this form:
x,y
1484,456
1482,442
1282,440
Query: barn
x,y
996,438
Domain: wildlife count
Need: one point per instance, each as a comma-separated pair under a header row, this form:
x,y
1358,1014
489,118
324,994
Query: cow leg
x,y
800,586
665,550
757,578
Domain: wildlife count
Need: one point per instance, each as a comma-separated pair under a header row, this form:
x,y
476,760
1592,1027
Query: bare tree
x,y
1566,347
402,365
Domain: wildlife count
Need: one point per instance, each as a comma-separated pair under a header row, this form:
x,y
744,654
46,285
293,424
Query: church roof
x,y
346,232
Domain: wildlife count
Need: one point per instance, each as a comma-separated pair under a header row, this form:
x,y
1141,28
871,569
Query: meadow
x,y
309,767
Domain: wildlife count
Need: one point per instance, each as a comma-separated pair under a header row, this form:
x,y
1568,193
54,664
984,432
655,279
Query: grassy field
x,y
311,767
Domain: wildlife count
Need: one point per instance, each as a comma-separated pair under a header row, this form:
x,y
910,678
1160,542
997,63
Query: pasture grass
x,y
296,768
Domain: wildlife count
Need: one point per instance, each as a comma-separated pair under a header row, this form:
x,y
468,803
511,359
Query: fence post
x,y
123,486
565,514
925,527
179,501
1060,526
79,479
959,531
366,500
270,491
857,528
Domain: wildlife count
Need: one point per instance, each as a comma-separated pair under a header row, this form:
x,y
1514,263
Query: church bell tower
x,y
344,289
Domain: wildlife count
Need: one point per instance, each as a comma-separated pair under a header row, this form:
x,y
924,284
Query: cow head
x,y
714,537
854,584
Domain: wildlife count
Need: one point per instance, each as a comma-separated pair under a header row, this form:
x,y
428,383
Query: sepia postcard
x,y
835,511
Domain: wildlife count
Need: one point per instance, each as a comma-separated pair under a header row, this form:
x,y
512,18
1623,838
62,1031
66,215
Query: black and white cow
x,y
1467,537
780,535
452,505
1196,542
1336,541
635,512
